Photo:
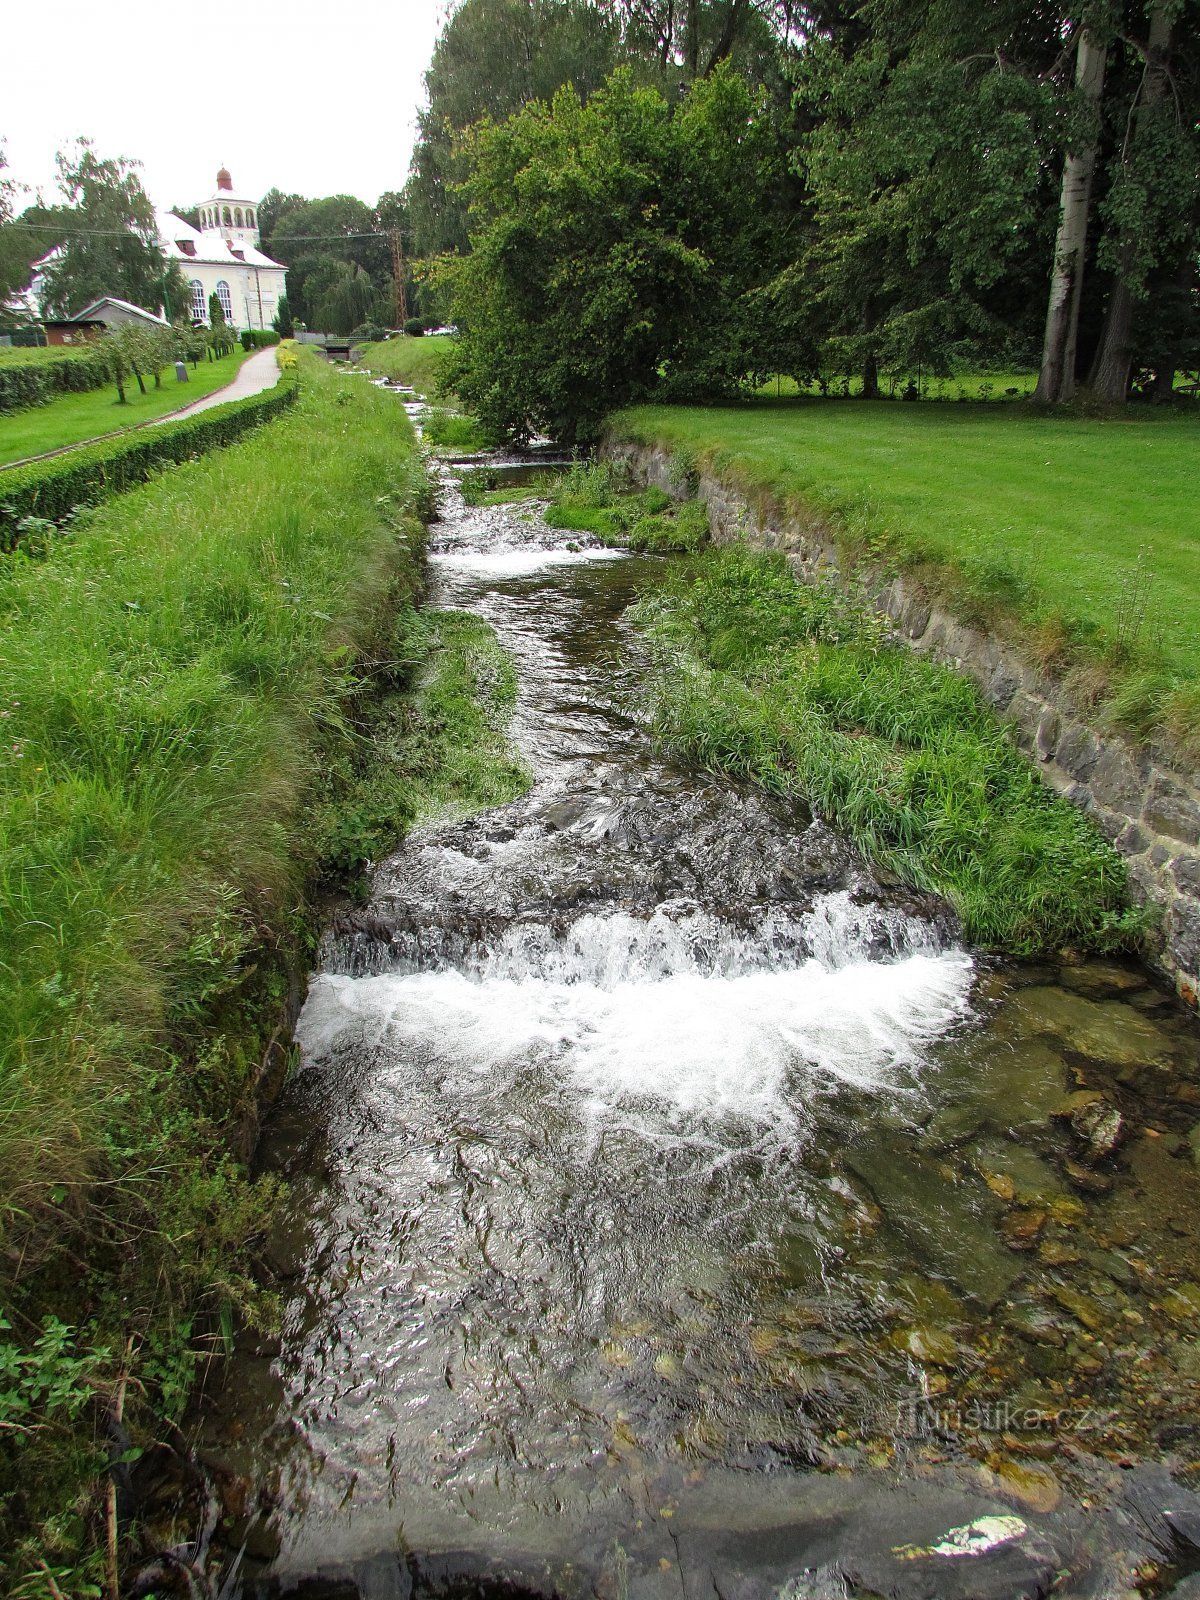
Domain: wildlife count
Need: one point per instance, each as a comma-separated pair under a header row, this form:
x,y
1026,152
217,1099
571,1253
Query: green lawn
x,y
1083,530
969,386
410,361
77,417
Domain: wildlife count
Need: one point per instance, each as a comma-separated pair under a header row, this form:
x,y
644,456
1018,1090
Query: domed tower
x,y
233,216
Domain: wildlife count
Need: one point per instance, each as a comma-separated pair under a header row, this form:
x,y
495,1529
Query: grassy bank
x,y
416,362
76,417
1078,536
189,677
795,690
595,497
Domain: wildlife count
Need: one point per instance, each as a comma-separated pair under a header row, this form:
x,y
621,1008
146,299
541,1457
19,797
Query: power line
x,y
125,233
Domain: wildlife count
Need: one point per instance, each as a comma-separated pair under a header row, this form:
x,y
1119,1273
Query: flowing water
x,y
677,1210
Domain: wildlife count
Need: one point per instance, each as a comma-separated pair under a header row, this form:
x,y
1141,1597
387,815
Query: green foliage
x,y
436,742
415,328
109,235
83,418
54,489
258,338
453,430
594,497
283,323
615,248
38,376
1035,526
179,679
416,362
799,692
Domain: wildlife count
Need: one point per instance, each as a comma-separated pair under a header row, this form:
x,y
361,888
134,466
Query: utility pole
x,y
398,273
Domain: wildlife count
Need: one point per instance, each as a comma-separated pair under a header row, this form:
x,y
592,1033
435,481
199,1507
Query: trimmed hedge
x,y
42,377
258,338
52,490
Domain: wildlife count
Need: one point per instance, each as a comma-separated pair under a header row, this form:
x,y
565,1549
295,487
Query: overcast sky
x,y
185,88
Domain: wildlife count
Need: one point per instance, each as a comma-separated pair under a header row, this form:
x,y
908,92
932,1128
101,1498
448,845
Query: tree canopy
x,y
907,185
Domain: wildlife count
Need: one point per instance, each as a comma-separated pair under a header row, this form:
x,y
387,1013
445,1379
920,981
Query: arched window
x,y
237,216
250,222
226,299
199,303
225,217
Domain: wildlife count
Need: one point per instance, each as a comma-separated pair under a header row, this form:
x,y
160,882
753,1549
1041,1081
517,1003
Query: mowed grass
x,y
78,417
1083,532
415,362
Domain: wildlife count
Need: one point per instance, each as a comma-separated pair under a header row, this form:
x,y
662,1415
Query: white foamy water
x,y
683,1047
518,563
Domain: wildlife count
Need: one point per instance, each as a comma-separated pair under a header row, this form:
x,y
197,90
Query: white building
x,y
222,257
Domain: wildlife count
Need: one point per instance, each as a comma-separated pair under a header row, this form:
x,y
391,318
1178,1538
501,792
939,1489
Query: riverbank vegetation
x,y
417,363
796,690
1073,535
595,497
74,418
678,202
188,678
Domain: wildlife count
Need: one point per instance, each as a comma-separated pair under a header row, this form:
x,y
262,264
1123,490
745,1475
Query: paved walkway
x,y
258,372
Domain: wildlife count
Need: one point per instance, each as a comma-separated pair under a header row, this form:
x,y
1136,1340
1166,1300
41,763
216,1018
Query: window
x,y
199,303
250,222
226,299
237,217
225,217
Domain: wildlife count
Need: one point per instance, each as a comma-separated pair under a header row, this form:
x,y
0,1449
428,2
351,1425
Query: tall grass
x,y
1074,535
417,362
176,673
794,689
595,497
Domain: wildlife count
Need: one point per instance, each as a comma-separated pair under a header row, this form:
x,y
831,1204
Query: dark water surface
x,y
678,1211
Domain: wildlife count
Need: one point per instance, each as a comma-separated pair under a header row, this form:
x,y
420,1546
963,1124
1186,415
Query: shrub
x,y
52,490
414,327
258,338
36,377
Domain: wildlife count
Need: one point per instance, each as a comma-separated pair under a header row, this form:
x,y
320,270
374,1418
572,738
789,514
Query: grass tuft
x,y
795,689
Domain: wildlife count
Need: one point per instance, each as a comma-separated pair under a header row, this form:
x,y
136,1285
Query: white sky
x,y
185,88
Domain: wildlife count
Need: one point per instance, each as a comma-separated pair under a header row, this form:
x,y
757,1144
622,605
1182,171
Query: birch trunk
x,y
1056,381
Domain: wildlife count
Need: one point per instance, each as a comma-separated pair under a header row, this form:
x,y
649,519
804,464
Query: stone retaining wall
x,y
1148,808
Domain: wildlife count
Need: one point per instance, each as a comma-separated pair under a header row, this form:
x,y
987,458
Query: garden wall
x,y
1148,807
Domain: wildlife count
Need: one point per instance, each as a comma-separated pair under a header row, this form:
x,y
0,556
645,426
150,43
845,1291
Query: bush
x,y
414,327
258,338
49,491
36,377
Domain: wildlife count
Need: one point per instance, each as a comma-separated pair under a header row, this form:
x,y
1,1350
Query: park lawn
x,y
999,386
415,362
75,418
1083,530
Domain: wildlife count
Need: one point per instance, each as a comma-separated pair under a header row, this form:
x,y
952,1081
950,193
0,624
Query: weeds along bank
x,y
416,362
797,690
185,679
1067,650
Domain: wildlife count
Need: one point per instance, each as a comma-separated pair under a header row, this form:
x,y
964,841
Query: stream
x,y
677,1210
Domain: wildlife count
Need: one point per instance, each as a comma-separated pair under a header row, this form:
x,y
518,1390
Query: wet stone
x,y
1104,1031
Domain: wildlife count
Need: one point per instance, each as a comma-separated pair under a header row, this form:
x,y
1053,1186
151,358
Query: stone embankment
x,y
1144,802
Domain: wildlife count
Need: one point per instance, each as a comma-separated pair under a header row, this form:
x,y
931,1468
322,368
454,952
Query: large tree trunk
x,y
870,378
691,40
1164,373
1114,355
1056,380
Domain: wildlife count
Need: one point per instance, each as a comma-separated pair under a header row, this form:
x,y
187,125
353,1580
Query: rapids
x,y
678,1210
